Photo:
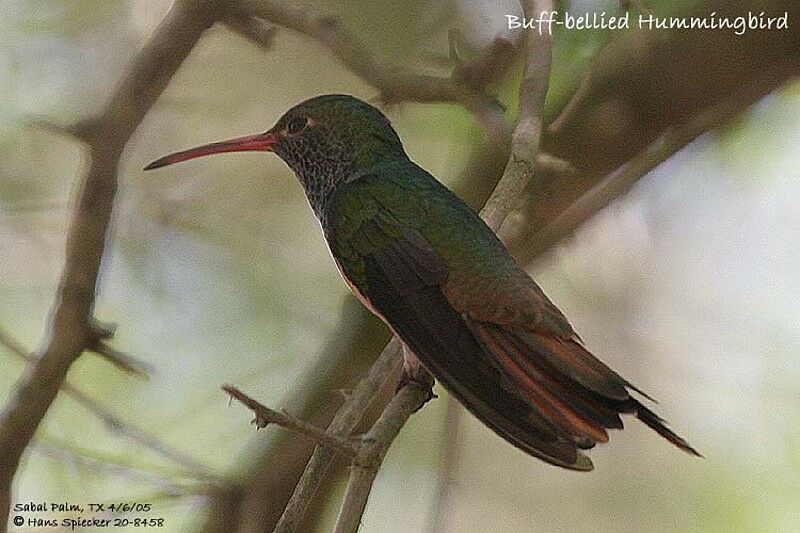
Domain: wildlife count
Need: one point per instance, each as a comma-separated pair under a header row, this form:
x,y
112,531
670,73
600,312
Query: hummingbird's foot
x,y
422,380
414,374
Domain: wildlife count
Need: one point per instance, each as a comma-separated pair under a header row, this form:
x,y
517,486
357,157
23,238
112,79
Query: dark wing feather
x,y
403,281
477,322
546,395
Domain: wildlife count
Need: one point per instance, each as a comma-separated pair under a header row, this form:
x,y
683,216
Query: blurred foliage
x,y
218,273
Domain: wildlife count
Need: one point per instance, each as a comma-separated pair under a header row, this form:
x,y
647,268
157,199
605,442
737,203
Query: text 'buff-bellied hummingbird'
x,y
423,261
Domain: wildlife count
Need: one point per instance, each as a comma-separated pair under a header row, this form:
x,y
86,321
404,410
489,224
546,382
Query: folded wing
x,y
487,333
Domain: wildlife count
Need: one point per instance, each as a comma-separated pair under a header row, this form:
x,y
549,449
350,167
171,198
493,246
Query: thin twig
x,y
122,360
265,416
620,182
117,424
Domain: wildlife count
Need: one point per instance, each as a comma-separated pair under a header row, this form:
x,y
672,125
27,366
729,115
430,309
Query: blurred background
x,y
217,273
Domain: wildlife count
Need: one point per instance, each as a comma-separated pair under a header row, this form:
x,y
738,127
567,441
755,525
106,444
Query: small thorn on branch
x,y
120,359
81,130
261,33
102,330
99,332
553,165
265,416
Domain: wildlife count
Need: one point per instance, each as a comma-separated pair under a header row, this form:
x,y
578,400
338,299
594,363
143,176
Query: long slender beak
x,y
262,142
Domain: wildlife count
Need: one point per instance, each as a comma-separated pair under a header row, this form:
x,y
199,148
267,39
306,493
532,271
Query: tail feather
x,y
584,401
656,423
574,390
551,397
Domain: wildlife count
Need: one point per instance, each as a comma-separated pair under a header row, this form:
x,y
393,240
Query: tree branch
x,y
372,451
394,83
121,360
70,324
524,162
342,425
618,183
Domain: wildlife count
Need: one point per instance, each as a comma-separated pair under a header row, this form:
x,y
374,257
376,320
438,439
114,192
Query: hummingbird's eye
x,y
296,125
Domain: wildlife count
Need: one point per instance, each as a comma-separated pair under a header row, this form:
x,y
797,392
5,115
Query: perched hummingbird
x,y
423,261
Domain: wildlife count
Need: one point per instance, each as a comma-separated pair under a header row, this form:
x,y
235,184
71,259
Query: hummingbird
x,y
423,261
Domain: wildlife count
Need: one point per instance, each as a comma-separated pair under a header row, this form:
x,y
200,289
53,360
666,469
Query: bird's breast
x,y
355,290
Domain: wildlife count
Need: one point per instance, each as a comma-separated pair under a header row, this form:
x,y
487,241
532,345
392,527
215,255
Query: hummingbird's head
x,y
325,140
334,133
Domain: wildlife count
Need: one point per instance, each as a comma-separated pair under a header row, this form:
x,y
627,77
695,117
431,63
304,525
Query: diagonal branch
x,y
342,425
121,360
618,183
70,328
372,451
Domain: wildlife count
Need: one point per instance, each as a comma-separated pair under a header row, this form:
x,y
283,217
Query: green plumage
x,y
380,206
366,214
420,258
